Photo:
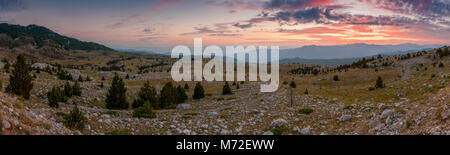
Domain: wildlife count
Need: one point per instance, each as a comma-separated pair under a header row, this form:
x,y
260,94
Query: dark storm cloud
x,y
428,8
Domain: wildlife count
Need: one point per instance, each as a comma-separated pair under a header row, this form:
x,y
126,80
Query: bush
x,y
441,65
379,84
293,85
116,97
371,88
68,89
75,119
306,111
226,90
145,111
20,81
335,78
76,89
146,94
80,79
199,92
278,130
55,96
63,75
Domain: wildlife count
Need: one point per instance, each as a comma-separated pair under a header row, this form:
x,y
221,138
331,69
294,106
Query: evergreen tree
x,y
80,79
237,86
55,96
127,77
88,78
186,86
335,78
379,83
76,89
168,97
103,78
226,90
199,92
116,97
293,85
181,94
68,89
7,66
306,91
20,81
146,94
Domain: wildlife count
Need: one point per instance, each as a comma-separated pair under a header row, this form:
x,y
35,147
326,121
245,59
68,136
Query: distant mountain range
x,y
349,51
16,35
141,52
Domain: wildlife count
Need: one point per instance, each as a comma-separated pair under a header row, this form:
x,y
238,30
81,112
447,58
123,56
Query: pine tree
x,y
76,89
68,89
127,77
20,81
306,91
7,66
116,97
146,94
237,86
181,94
88,78
55,96
80,79
335,78
103,78
293,85
199,92
168,97
226,90
186,86
379,83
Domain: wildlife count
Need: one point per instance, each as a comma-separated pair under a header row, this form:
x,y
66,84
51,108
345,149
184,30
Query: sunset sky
x,y
159,25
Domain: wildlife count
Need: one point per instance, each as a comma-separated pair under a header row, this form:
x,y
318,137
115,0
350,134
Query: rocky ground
x,y
412,103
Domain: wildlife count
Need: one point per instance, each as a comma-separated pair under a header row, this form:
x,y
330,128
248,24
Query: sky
x,y
160,25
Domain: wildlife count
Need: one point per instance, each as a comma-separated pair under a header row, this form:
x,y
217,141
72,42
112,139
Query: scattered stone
x,y
184,106
305,131
212,115
344,118
6,124
279,123
386,113
268,133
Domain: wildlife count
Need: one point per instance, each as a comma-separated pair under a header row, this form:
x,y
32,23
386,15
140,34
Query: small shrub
x,y
441,65
278,130
226,89
379,84
122,132
371,88
293,85
75,119
335,78
306,111
145,111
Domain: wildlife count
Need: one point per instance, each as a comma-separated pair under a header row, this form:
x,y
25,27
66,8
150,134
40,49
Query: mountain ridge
x,y
17,35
